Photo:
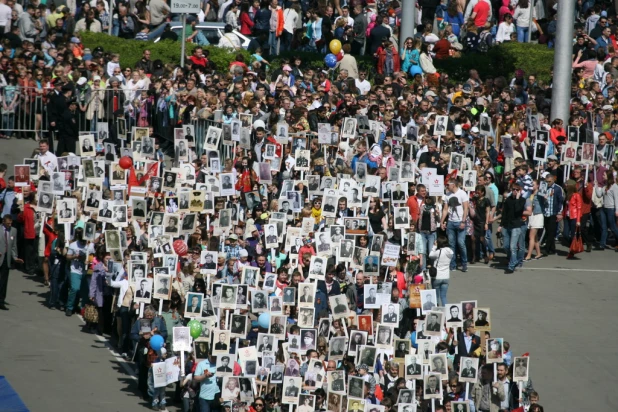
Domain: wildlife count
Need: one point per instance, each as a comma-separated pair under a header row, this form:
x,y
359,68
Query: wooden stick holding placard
x,y
433,405
141,310
467,391
160,306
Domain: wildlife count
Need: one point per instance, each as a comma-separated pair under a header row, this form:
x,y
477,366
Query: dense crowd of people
x,y
292,233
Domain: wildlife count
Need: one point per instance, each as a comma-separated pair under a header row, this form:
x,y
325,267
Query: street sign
x,y
185,6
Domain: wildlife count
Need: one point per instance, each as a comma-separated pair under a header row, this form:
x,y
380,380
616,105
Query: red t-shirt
x,y
482,13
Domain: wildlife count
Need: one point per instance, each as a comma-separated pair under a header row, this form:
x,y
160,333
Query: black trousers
x,y
550,234
586,235
30,256
4,280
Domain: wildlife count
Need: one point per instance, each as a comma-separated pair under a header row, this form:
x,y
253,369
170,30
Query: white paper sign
x,y
159,374
426,174
391,255
185,6
436,186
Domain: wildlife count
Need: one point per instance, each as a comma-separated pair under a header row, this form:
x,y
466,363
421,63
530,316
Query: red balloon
x,y
180,247
125,162
340,56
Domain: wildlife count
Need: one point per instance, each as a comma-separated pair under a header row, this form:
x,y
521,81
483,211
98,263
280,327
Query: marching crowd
x,y
302,225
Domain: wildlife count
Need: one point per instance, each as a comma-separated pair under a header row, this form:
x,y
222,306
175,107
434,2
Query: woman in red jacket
x,y
574,209
246,24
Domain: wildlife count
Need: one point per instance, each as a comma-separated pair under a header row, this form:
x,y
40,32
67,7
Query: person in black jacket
x,y
512,222
57,104
378,34
464,338
69,129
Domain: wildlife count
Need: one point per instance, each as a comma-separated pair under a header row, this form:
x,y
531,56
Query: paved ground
x,y
561,312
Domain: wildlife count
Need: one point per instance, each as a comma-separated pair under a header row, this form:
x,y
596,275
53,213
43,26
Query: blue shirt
x,y
208,387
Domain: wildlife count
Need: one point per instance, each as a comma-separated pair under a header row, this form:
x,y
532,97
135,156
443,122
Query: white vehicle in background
x,y
213,31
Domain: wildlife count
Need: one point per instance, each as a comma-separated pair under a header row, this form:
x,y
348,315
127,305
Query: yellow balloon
x,y
335,46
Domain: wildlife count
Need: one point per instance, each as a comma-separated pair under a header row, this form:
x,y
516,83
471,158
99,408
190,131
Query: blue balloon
x,y
330,60
264,320
156,342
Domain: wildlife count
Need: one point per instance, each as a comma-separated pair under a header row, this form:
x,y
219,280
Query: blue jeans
x,y
272,43
75,285
511,244
157,394
457,238
522,34
155,33
521,244
488,241
8,123
206,405
428,240
441,287
608,221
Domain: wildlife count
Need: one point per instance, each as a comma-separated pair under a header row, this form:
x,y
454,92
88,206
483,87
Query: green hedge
x,y
501,60
131,51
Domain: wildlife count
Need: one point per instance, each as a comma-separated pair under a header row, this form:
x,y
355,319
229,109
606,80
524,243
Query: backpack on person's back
x,y
485,41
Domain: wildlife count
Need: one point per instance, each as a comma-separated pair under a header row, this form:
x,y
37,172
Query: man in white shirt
x,y
5,17
229,39
456,208
48,160
290,19
362,84
345,15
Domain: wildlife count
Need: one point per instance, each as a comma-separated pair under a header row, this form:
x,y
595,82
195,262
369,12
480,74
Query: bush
x,y
131,51
501,60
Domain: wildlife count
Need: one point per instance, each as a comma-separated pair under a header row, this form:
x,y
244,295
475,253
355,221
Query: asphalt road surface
x,y
561,312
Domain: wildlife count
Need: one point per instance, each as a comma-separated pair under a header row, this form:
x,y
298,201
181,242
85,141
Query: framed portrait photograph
x,y
398,193
456,161
212,137
306,294
467,309
306,317
181,149
385,336
308,339
358,338
348,131
521,368
495,350
228,297
162,286
143,290
277,326
402,217
405,396
66,210
453,316
540,151
428,299
334,402
402,348
588,153
291,390
482,319
433,322
468,369
367,356
337,347
390,314
440,127
222,342
365,323
432,384
259,301
336,381
45,202
193,304
181,339
339,306
438,364
460,406
414,366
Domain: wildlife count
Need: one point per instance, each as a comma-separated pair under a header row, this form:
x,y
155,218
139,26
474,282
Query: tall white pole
x,y
184,39
561,87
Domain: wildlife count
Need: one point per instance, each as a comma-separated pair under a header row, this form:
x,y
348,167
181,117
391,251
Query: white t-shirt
x,y
455,203
363,85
